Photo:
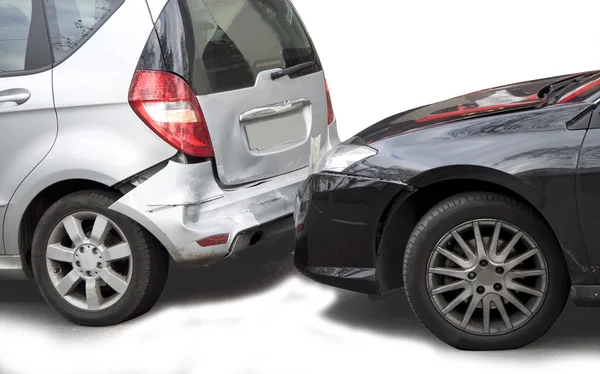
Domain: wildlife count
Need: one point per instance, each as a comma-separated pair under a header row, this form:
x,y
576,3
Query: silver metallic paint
x,y
11,267
195,207
28,133
99,138
236,162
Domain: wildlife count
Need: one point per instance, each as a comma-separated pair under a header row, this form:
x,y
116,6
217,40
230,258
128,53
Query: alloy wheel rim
x,y
487,277
89,261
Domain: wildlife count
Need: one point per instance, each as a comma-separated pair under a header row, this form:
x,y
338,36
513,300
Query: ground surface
x,y
259,313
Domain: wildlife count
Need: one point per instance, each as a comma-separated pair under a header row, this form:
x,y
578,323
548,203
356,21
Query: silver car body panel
x,y
93,134
99,136
183,203
11,267
28,132
278,142
155,7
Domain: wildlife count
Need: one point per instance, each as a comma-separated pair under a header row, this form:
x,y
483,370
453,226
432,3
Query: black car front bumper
x,y
339,220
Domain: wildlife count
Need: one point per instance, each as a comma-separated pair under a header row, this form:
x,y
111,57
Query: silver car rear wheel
x,y
89,261
95,266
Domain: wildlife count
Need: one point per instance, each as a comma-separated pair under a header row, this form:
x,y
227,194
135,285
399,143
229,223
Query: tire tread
x,y
154,262
457,202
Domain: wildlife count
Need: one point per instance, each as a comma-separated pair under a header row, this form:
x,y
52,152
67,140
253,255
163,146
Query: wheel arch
x,y
433,187
32,210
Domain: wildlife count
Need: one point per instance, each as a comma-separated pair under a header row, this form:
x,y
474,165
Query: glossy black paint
x,y
531,153
338,223
508,139
588,196
586,296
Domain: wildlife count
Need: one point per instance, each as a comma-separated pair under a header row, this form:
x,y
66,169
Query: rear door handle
x,y
13,97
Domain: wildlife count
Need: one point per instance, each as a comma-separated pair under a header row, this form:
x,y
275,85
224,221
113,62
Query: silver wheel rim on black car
x,y
487,277
89,261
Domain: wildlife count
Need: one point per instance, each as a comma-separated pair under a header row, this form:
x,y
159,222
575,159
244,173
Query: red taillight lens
x,y
330,113
167,104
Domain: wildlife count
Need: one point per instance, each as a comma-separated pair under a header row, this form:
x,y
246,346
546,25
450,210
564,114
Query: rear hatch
x,y
227,50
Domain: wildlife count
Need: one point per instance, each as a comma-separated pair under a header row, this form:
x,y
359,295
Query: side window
x,y
15,21
72,22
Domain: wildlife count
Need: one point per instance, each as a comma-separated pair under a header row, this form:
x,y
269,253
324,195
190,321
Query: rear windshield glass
x,y
222,45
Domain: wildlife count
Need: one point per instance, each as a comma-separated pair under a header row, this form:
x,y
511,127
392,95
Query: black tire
x,y
466,207
149,270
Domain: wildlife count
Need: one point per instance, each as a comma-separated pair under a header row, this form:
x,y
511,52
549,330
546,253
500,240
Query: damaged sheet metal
x,y
183,203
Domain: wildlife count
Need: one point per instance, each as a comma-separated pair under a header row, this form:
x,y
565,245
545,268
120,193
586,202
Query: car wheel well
x,y
398,224
40,204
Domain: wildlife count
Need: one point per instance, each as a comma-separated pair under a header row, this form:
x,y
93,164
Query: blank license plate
x,y
276,131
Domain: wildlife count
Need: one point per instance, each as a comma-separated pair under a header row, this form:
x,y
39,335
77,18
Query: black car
x,y
485,208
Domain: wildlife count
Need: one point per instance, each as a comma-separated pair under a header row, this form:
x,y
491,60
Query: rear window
x,y
72,22
15,20
222,45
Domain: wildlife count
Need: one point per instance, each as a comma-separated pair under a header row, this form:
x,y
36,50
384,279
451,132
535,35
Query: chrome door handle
x,y
13,97
274,110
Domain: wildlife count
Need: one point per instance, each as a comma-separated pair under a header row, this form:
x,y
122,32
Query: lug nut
x,y
497,286
472,275
95,251
480,290
88,273
483,263
77,263
81,250
99,265
499,270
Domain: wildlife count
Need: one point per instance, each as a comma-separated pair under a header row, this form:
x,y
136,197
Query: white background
x,y
386,56
242,316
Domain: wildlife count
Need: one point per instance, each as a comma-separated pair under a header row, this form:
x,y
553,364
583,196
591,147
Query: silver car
x,y
133,131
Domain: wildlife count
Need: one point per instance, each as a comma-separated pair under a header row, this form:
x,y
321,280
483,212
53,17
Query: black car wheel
x,y
95,266
484,272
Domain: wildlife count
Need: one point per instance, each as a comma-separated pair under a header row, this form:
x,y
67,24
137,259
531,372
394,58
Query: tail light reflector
x,y
167,104
213,240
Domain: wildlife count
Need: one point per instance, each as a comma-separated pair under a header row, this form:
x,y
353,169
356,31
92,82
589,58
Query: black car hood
x,y
488,102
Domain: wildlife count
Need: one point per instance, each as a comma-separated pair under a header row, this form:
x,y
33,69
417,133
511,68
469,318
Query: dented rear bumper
x,y
183,203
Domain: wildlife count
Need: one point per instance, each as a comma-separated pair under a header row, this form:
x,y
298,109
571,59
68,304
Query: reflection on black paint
x,y
531,152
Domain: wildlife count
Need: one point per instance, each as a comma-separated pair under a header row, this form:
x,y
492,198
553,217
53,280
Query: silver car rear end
x,y
260,128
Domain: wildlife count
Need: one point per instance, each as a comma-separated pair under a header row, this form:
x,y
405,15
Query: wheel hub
x,y
485,280
88,261
487,277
